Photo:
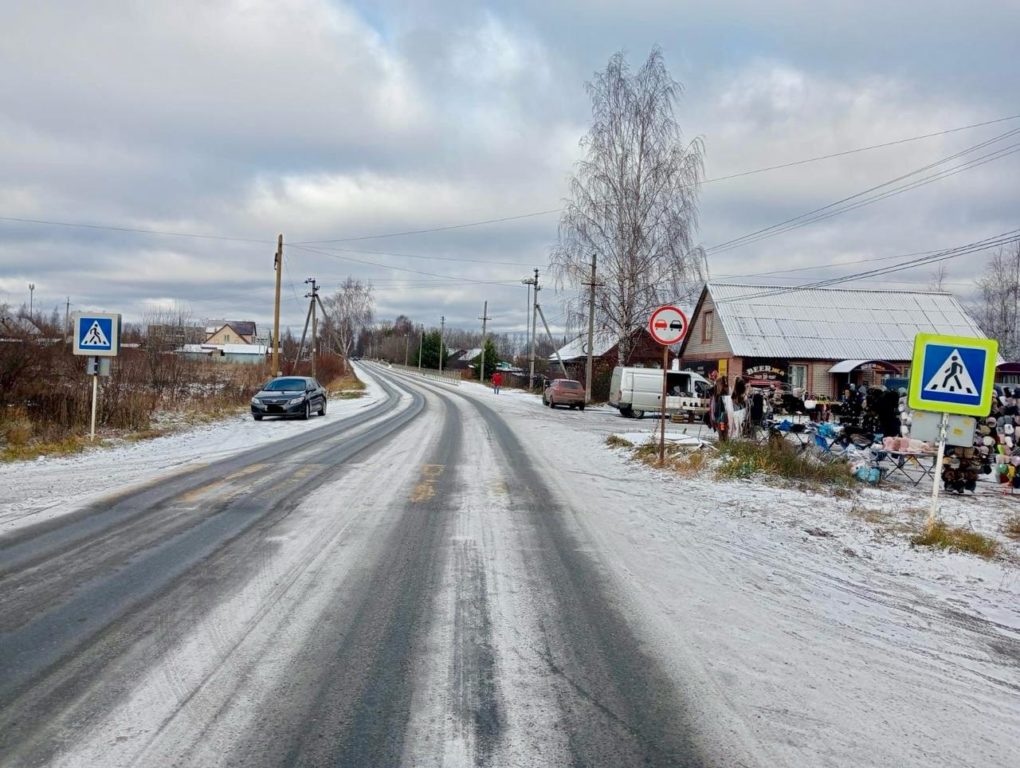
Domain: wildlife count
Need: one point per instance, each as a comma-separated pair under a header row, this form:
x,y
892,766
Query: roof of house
x,y
578,348
243,327
833,323
20,326
466,355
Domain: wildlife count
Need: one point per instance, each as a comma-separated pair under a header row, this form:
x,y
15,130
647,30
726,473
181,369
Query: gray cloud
x,y
324,119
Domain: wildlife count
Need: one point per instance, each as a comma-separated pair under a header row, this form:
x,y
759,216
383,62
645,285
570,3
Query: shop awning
x,y
845,366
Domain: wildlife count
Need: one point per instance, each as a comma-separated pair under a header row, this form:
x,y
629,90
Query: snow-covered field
x,y
33,491
805,626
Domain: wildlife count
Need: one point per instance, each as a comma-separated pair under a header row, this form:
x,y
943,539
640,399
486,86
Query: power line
x,y
1001,239
428,257
858,149
826,211
133,230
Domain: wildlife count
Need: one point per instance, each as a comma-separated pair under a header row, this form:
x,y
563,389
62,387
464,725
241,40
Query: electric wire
x,y
826,210
994,241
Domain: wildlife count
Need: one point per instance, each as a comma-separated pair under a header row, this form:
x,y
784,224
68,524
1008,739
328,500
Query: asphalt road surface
x,y
401,587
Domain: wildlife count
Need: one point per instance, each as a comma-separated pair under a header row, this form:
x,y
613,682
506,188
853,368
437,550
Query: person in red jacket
x,y
497,381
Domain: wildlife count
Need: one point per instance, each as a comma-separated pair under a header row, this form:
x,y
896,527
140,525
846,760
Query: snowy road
x,y
400,588
451,578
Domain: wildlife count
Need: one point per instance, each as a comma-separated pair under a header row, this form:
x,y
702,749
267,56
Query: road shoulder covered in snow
x,y
804,626
48,487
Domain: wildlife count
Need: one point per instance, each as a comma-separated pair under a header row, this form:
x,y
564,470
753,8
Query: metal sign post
x,y
97,336
950,375
668,326
938,471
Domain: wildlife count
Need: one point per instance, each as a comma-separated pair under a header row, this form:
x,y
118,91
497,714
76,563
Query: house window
x,y
226,338
706,325
798,376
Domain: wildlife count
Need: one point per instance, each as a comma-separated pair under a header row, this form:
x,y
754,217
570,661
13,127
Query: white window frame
x,y
802,369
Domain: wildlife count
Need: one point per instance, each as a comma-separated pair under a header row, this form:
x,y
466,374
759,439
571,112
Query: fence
x,y
450,377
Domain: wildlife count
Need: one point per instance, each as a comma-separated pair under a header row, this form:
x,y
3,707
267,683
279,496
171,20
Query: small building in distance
x,y
815,341
644,352
231,332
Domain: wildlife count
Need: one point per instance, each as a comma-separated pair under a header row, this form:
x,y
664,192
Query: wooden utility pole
x,y
315,324
548,333
534,331
483,318
591,332
278,266
442,336
421,344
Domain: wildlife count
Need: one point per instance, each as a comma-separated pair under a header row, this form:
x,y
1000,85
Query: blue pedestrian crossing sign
x,y
953,374
96,335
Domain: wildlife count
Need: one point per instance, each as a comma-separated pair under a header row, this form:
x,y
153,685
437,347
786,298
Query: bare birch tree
x,y
633,200
349,311
998,311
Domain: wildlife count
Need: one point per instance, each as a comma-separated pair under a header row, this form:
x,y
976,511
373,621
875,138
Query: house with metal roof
x,y
815,340
644,352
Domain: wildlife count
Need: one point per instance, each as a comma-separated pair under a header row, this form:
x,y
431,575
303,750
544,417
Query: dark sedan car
x,y
564,392
299,396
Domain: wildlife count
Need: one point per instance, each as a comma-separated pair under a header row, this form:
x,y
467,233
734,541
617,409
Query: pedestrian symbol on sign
x,y
952,377
95,337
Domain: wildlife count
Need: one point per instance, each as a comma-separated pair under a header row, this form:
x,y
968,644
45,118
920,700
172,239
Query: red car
x,y
564,392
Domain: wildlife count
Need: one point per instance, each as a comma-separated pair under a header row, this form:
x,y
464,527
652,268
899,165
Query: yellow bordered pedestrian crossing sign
x,y
953,374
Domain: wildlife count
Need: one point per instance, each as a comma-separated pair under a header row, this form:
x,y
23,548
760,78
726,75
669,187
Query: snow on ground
x,y
803,627
33,491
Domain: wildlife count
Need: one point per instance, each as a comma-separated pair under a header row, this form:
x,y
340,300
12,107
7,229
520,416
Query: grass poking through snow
x,y
943,536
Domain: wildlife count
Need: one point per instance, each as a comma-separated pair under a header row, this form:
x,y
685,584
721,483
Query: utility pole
x,y
31,301
591,331
407,347
534,333
278,266
310,316
421,344
483,318
442,336
552,341
314,296
533,327
67,317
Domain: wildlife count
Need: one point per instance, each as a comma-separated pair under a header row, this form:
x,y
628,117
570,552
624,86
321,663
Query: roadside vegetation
x,y
741,460
942,536
46,397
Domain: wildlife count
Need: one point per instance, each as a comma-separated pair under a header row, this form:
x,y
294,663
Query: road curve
x,y
403,589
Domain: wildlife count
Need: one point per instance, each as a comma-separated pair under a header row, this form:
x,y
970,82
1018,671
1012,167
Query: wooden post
x,y
278,264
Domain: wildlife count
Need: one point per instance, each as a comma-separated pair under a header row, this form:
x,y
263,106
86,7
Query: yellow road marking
x,y
426,489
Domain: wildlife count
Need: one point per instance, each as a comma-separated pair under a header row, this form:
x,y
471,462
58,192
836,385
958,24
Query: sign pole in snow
x,y
951,374
95,396
662,416
96,335
668,326
938,471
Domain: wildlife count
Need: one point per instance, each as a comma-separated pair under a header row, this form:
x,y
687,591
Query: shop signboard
x,y
763,369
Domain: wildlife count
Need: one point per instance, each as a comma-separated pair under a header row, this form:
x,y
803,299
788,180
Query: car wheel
x,y
627,412
551,403
581,407
639,414
307,413
257,416
322,410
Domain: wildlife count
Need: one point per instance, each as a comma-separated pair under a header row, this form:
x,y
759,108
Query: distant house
x,y
250,354
644,352
815,340
231,332
460,359
173,335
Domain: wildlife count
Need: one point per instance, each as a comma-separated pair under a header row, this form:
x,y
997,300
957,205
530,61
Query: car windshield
x,y
569,384
285,385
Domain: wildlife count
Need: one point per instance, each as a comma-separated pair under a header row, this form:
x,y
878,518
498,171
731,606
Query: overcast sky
x,y
327,120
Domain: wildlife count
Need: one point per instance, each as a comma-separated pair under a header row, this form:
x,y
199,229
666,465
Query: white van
x,y
637,391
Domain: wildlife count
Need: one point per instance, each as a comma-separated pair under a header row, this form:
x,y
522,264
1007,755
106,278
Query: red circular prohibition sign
x,y
668,325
